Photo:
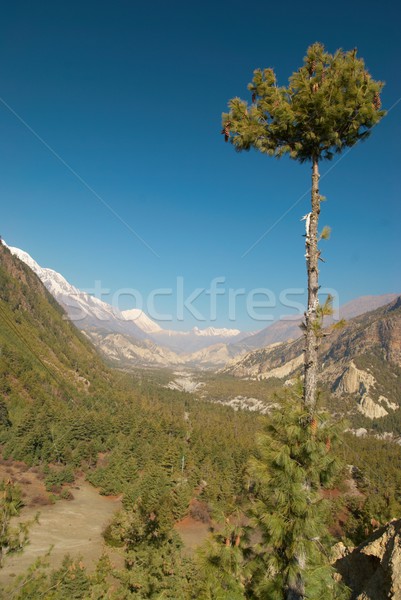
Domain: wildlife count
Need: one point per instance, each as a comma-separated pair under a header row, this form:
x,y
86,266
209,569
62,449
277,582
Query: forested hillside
x,y
169,453
61,404
62,408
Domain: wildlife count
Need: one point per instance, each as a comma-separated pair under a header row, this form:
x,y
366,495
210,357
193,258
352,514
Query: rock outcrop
x,y
373,570
354,380
371,409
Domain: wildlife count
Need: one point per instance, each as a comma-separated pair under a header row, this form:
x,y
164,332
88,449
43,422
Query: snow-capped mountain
x,y
99,319
85,311
213,331
184,342
131,338
137,316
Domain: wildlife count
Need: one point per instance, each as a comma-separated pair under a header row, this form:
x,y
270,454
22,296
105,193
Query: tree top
x,y
330,103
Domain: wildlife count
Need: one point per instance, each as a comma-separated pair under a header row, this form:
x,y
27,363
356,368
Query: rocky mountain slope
x,y
373,570
361,361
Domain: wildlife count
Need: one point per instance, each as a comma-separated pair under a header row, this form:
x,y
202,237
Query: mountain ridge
x,y
132,338
360,362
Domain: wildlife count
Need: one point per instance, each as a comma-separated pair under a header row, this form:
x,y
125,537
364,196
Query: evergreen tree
x,y
11,539
330,104
295,461
223,562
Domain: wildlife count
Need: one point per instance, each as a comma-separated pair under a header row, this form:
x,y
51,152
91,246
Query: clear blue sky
x,y
130,94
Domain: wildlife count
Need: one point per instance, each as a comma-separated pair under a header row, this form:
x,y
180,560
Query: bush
x,y
55,478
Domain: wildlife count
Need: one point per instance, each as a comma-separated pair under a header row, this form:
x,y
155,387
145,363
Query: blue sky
x,y
130,96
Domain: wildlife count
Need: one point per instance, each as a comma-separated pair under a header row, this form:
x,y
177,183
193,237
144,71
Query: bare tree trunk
x,y
294,595
296,590
312,260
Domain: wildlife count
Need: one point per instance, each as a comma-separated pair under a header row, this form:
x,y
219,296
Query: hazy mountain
x,y
184,342
288,327
361,360
365,304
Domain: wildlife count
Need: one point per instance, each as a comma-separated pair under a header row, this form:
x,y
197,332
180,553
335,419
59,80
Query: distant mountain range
x,y
288,328
360,362
132,338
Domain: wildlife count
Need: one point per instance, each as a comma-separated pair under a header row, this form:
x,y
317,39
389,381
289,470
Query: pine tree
x,y
330,104
12,539
223,562
295,460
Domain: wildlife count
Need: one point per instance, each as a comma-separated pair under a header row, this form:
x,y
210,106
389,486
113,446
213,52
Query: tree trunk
x,y
312,260
297,590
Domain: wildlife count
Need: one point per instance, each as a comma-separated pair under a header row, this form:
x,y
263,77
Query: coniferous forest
x,y
171,455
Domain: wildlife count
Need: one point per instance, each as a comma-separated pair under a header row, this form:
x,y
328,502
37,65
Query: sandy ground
x,y
74,526
69,526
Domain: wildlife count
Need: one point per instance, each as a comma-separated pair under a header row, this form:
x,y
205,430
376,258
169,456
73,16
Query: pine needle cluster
x,y
331,102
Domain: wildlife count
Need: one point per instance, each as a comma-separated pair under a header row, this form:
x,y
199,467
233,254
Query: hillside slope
x,y
62,409
43,353
360,361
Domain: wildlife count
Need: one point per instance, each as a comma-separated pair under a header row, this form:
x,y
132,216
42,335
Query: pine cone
x,y
313,425
315,88
328,444
376,101
226,131
312,67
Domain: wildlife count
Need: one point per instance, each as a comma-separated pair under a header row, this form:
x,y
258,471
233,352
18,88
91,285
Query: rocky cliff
x,y
373,570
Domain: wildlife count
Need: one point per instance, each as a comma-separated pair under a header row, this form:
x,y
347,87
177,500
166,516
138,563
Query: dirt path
x,y
193,534
71,526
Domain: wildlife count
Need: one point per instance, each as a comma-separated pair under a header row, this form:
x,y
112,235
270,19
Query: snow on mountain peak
x,y
26,258
88,311
53,281
141,319
216,332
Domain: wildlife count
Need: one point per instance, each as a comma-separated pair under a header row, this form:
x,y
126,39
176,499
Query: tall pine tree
x,y
330,104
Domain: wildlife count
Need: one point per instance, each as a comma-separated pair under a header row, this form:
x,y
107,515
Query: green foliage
x,y
158,570
69,581
161,448
377,471
295,461
57,477
330,103
223,563
12,539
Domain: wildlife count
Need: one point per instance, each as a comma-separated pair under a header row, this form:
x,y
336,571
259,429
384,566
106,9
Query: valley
x,y
171,442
